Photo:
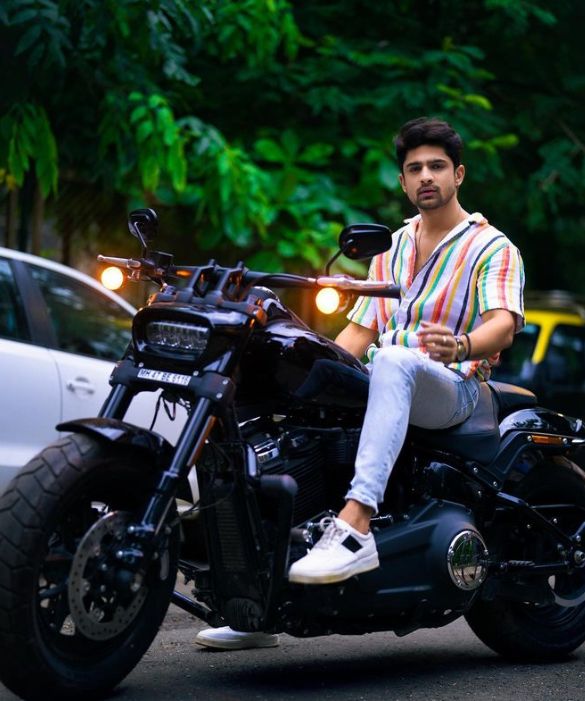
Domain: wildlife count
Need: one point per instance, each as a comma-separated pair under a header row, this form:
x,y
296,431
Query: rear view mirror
x,y
143,223
364,240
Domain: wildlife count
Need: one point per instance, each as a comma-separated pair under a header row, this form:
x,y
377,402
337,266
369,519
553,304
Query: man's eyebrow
x,y
430,162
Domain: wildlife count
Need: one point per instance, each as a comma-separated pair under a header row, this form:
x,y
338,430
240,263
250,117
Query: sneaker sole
x,y
333,577
237,644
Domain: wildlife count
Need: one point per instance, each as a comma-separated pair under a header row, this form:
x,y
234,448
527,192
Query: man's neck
x,y
437,223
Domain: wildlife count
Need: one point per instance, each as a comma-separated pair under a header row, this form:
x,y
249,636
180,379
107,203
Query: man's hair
x,y
428,131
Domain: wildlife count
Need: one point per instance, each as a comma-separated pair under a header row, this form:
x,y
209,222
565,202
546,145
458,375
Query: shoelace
x,y
331,532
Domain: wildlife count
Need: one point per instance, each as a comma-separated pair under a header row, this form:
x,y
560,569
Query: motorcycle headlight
x,y
176,335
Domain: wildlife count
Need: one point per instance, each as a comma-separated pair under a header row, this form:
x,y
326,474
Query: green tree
x,y
265,125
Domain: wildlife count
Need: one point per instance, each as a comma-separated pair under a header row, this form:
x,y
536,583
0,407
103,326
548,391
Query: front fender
x,y
136,437
122,433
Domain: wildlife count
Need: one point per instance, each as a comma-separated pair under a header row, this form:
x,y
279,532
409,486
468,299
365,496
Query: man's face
x,y
429,178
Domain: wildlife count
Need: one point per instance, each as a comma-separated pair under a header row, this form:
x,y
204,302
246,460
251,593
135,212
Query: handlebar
x,y
370,288
120,262
159,267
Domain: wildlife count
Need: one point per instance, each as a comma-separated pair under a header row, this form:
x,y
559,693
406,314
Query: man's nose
x,y
426,174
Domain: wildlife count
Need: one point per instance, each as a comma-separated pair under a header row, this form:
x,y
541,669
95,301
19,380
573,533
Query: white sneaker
x,y
225,638
341,552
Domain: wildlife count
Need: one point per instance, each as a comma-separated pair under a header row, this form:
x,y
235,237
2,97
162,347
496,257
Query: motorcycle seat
x,y
510,398
477,438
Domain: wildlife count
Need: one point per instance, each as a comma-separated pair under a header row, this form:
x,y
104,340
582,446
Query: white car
x,y
60,333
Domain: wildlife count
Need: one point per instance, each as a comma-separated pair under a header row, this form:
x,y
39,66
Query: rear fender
x,y
529,434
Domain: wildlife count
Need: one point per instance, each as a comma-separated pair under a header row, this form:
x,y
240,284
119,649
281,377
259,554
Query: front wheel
x,y
67,627
523,631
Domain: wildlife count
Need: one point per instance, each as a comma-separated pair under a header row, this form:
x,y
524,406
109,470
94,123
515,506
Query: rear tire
x,y
526,632
44,515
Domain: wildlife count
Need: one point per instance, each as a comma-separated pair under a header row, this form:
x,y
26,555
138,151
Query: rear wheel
x,y
523,631
67,628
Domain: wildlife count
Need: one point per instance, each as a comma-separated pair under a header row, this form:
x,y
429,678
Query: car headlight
x,y
175,335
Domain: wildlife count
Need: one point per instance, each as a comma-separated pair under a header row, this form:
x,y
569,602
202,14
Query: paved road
x,y
448,664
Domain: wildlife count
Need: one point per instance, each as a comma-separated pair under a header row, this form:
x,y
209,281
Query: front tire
x,y
67,505
525,632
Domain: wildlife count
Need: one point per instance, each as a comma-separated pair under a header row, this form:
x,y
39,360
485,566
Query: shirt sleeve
x,y
364,310
500,283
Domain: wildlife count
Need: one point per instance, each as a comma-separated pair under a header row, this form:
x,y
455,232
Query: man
x,y
461,302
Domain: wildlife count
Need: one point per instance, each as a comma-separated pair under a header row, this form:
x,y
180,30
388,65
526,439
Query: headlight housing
x,y
178,336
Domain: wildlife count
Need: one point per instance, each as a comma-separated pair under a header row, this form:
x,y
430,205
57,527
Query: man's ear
x,y
401,180
459,174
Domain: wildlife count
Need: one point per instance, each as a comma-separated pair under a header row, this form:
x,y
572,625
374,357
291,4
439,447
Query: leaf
x,y
35,56
290,142
144,130
269,150
287,249
156,101
264,261
28,39
316,154
177,165
24,16
138,113
349,148
478,100
505,141
311,254
388,173
150,173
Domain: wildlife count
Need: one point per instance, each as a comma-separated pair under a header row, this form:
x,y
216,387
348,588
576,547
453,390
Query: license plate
x,y
172,378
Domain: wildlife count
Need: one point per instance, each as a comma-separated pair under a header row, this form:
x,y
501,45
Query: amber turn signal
x,y
328,300
112,278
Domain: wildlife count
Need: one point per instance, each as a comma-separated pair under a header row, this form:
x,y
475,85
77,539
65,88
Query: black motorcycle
x,y
484,520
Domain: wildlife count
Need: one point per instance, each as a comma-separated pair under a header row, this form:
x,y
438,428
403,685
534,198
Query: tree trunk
x,y
12,218
37,221
26,205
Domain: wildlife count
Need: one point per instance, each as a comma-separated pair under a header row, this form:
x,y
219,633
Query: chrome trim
x,y
466,560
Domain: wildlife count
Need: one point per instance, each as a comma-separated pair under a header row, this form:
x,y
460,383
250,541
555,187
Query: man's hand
x,y
438,341
495,333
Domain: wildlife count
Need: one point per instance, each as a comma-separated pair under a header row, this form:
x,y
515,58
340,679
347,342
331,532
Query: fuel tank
x,y
286,361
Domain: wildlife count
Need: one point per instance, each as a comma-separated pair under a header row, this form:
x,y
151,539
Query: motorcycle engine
x,y
315,459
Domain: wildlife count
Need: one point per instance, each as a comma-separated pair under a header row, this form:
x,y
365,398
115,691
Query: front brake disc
x,y
95,607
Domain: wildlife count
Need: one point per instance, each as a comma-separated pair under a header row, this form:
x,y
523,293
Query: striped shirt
x,y
474,269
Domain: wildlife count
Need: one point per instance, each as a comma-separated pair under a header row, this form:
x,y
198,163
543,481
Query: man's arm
x,y
495,333
356,338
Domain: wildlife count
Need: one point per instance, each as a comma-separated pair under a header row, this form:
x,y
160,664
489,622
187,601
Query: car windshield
x,y
515,365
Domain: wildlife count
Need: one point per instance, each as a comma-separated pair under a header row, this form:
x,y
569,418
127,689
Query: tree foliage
x,y
265,125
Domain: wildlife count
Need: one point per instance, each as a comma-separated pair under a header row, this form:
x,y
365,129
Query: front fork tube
x,y
117,402
143,537
193,437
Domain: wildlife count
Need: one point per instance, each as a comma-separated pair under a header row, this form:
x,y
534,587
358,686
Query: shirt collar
x,y
475,218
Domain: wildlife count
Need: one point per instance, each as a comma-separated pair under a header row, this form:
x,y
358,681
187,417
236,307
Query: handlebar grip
x,y
126,263
368,288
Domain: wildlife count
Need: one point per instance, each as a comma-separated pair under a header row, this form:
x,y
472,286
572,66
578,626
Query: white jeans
x,y
406,386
